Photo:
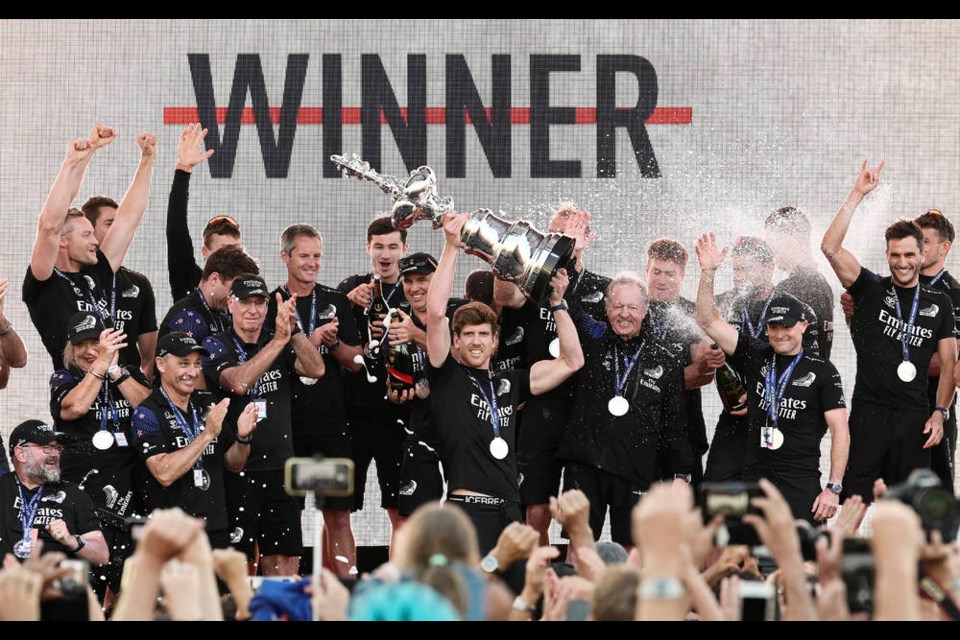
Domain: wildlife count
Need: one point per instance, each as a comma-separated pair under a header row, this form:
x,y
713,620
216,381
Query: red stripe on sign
x,y
433,115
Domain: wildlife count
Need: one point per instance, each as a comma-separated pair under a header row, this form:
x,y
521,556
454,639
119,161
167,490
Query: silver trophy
x,y
518,252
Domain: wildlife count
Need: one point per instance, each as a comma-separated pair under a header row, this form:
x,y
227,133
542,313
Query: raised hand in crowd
x,y
330,599
535,580
897,543
180,582
19,594
230,566
572,512
516,542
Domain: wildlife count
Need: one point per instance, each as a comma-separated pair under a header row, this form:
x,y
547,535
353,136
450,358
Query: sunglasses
x,y
223,220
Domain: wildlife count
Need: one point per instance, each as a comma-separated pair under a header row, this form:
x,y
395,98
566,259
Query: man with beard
x,y
35,504
898,324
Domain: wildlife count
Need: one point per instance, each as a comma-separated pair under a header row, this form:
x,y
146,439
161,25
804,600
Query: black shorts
x,y
727,450
328,440
885,442
120,545
604,489
799,489
379,437
490,521
942,455
421,476
542,424
261,512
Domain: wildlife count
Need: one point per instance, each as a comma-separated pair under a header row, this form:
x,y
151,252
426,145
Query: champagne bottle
x,y
400,367
376,310
733,393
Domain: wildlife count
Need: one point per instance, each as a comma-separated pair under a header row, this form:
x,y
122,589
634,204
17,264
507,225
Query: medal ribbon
x,y
190,430
491,402
628,367
775,388
93,303
907,330
28,511
755,332
254,391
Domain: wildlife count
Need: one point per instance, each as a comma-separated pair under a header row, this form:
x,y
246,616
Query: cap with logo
x,y
248,284
179,344
419,263
83,325
786,311
33,432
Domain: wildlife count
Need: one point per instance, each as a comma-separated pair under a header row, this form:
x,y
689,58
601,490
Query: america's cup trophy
x,y
518,252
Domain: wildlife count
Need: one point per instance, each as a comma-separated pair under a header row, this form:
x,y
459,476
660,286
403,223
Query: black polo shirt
x,y
194,317
273,438
156,430
136,311
60,501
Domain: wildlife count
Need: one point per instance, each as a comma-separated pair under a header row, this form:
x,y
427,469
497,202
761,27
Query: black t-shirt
x,y
60,501
951,287
807,284
586,291
371,396
814,388
676,323
51,302
273,437
627,446
324,401
421,411
193,316
157,430
877,335
106,475
511,350
463,420
136,311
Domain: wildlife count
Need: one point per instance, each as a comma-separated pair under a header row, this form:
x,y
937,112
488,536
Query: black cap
x,y
179,343
249,284
787,311
33,432
83,325
421,263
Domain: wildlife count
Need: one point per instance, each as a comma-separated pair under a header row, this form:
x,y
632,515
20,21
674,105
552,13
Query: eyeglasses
x,y
46,448
223,220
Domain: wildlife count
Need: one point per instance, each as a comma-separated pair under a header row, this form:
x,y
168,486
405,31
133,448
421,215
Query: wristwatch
x,y
836,487
661,588
81,543
522,605
686,477
559,307
944,411
489,563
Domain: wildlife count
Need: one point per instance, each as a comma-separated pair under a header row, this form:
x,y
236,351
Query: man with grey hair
x,y
629,404
318,405
36,505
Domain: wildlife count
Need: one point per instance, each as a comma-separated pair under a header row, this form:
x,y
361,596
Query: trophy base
x,y
556,255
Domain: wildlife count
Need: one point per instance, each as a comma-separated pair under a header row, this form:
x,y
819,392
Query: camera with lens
x,y
936,506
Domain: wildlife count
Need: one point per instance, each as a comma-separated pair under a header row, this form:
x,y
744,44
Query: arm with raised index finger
x,y
844,263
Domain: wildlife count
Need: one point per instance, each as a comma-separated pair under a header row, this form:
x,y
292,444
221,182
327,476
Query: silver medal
x,y
307,381
907,371
777,439
554,348
618,406
103,440
499,448
23,549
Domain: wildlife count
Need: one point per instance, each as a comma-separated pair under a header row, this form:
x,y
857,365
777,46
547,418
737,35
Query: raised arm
x,y
721,331
64,190
441,286
12,351
182,268
844,263
133,205
548,374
